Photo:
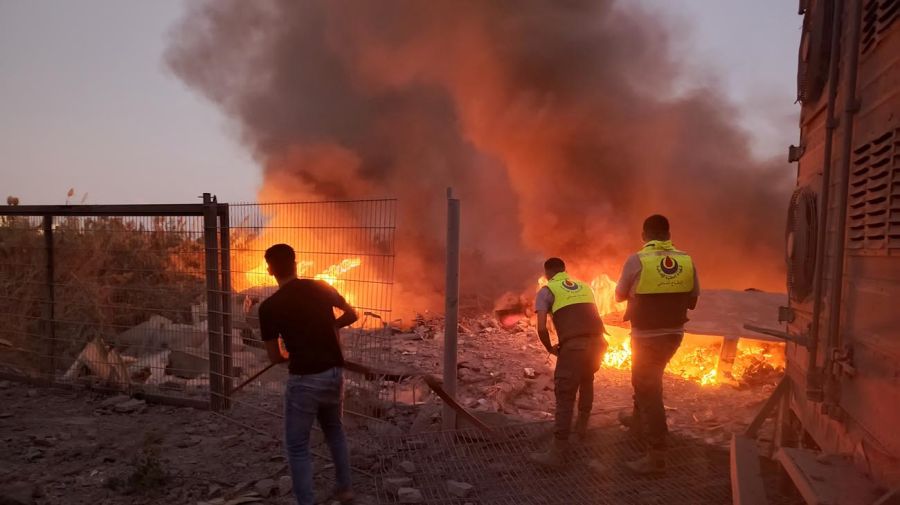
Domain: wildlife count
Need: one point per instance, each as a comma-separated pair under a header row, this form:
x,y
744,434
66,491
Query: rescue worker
x,y
579,331
661,285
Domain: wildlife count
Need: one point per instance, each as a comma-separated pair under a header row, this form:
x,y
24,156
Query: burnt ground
x,y
77,447
63,446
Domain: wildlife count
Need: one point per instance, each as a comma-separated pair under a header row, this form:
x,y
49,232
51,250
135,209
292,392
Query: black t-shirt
x,y
302,313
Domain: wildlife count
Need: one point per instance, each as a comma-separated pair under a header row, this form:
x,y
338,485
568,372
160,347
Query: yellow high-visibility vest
x,y
567,291
664,269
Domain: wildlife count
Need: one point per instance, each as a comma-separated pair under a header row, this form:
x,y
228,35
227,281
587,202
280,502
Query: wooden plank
x,y
768,407
826,480
747,486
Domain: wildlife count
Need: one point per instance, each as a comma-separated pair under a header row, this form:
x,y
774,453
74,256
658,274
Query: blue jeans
x,y
307,398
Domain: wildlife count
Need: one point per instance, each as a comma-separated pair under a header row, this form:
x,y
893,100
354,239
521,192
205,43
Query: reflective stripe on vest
x,y
567,291
664,269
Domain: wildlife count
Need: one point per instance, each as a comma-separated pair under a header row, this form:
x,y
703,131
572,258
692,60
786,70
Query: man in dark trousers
x,y
301,313
661,285
579,330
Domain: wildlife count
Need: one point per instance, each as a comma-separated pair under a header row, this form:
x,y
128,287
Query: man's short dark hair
x,y
657,227
554,265
281,259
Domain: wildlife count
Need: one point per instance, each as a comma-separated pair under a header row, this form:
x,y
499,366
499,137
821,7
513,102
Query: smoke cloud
x,y
555,122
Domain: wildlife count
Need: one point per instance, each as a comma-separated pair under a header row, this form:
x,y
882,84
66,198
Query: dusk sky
x,y
86,101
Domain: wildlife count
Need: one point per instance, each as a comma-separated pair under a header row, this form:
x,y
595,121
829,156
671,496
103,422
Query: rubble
x,y
285,485
410,495
130,406
112,401
394,484
459,489
265,487
159,352
102,362
187,364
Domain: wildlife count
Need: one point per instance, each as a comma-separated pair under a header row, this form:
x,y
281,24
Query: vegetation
x,y
109,273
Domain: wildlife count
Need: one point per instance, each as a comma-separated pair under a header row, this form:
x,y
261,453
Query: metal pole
x,y
50,305
227,327
814,390
213,305
851,106
451,309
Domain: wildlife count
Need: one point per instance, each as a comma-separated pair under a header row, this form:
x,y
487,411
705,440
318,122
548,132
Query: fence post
x,y
50,293
451,308
227,306
213,304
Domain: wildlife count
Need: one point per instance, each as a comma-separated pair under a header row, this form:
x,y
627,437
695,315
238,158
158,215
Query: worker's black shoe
x,y
651,463
555,457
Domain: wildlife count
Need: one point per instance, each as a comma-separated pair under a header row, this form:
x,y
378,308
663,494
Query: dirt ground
x,y
77,447
64,446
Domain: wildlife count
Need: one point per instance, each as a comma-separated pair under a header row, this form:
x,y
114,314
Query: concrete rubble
x,y
284,485
459,489
410,495
165,354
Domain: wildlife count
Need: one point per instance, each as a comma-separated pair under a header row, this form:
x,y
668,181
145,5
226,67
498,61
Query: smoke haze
x,y
555,122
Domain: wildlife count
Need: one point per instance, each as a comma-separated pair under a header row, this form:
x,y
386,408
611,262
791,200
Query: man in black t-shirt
x,y
301,312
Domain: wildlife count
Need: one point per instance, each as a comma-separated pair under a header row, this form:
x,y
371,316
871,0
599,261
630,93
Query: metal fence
x,y
348,244
162,299
107,297
493,469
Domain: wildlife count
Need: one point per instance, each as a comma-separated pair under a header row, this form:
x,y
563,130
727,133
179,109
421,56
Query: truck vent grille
x,y
877,18
874,199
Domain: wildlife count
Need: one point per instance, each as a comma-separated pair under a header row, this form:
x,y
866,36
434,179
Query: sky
x,y
86,101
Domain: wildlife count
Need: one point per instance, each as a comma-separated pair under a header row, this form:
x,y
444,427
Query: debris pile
x,y
171,356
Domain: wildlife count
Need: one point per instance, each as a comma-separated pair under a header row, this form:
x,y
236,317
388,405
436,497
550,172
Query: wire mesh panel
x,y
127,295
25,320
347,244
110,301
495,470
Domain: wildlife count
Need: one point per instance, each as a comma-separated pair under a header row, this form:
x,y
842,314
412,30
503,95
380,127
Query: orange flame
x,y
698,357
259,276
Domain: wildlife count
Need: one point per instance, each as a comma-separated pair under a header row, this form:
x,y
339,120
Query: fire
x,y
698,357
260,277
331,274
605,295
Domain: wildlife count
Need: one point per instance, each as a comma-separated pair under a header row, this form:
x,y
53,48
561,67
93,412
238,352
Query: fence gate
x,y
162,300
348,244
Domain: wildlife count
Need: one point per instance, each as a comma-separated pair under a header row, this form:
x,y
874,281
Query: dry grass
x,y
110,273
